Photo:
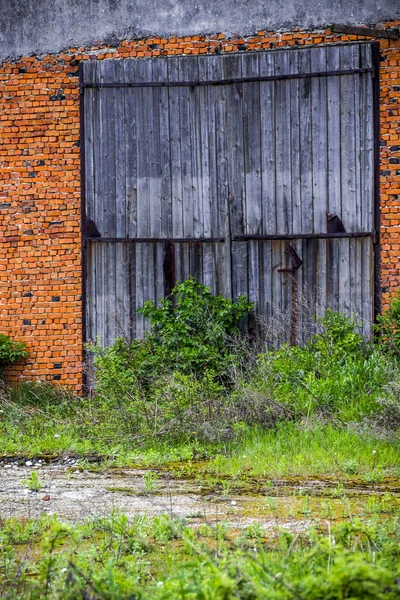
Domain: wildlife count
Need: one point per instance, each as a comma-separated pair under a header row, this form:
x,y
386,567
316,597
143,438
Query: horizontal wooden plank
x,y
98,75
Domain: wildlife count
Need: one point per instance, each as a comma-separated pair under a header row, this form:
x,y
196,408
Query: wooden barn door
x,y
253,173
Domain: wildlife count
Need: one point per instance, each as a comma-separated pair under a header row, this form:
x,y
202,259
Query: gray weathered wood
x,y
257,157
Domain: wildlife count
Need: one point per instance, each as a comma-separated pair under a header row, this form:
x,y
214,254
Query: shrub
x,y
175,380
192,332
335,374
388,327
11,351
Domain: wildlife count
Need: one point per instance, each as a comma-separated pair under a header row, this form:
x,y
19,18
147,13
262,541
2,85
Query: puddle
x,y
292,504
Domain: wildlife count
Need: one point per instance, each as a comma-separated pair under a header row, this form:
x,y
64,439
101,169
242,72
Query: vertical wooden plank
x,y
205,185
279,293
186,98
252,146
282,147
209,266
294,135
107,174
91,296
367,187
178,263
101,305
152,97
320,169
254,278
234,134
96,212
111,294
196,260
305,121
196,98
145,216
185,257
240,269
344,276
219,156
266,267
89,116
355,245
348,59
159,283
366,157
268,185
253,205
267,144
175,151
334,174
122,291
309,274
119,158
367,278
165,156
206,199
130,148
132,252
143,72
283,189
140,288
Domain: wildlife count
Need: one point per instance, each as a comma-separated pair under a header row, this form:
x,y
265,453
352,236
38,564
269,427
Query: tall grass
x,y
298,449
162,558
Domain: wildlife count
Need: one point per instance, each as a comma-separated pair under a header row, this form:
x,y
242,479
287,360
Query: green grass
x,y
162,558
291,449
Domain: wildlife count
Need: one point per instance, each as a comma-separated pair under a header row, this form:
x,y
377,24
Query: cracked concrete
x,y
75,495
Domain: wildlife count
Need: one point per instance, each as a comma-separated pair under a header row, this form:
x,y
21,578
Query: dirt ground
x,y
75,494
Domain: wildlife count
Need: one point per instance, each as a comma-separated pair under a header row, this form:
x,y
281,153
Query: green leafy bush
x,y
174,380
388,327
335,374
11,351
192,332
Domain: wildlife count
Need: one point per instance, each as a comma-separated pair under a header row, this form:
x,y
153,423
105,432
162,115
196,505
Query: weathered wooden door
x,y
252,172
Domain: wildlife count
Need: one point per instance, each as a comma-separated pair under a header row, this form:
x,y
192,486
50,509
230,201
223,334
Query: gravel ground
x,y
75,494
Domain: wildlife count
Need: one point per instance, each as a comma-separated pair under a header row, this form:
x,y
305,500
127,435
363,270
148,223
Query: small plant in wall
x,y
11,351
33,483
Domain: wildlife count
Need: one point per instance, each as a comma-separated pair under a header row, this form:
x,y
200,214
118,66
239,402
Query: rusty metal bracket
x,y
334,224
295,259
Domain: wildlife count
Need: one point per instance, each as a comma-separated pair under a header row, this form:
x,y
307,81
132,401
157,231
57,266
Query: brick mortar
x,y
40,240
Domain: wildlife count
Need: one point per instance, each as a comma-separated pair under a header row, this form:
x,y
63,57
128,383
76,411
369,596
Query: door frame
x,y
376,297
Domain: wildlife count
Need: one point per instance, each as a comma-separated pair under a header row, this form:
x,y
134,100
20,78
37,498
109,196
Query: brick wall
x,y
40,259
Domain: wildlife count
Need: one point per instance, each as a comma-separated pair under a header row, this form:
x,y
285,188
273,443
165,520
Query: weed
x,y
150,479
374,476
351,467
114,558
34,483
388,327
11,351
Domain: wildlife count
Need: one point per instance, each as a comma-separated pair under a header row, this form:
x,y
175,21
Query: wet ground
x,y
75,494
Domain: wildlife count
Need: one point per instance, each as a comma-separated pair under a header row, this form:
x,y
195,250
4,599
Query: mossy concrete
x,y
75,494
